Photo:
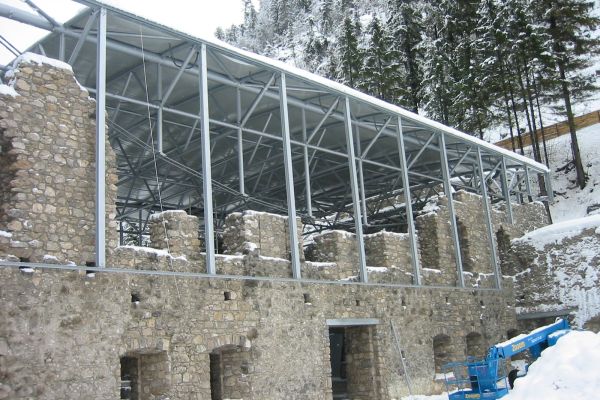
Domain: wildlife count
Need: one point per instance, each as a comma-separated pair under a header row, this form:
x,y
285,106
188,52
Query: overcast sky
x,y
197,17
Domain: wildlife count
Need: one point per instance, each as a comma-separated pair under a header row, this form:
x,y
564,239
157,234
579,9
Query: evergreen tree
x,y
380,73
406,25
568,24
350,56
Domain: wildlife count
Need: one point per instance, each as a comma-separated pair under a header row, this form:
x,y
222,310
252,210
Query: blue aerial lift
x,y
487,379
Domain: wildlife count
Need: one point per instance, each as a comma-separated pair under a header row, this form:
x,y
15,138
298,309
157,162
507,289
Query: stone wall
x,y
264,233
47,134
389,254
64,333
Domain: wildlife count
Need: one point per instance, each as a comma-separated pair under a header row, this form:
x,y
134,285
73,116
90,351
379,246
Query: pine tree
x,y
406,25
350,56
380,73
568,24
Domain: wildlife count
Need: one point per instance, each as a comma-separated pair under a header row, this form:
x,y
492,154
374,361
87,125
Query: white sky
x,y
197,17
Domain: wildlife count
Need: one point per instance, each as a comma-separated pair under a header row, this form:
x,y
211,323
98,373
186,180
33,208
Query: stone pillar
x,y
337,247
259,233
389,257
47,164
177,232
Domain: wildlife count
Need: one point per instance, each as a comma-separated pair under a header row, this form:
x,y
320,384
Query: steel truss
x,y
228,131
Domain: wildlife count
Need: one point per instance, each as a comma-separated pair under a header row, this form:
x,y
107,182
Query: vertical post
x,y
240,144
451,210
488,220
527,183
206,165
289,179
362,265
506,193
412,236
306,167
101,141
361,179
140,227
549,189
61,46
159,130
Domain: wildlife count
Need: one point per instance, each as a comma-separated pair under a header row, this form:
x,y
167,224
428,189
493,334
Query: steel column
x,y
361,179
209,236
488,221
289,180
412,236
506,193
101,141
306,167
240,143
362,265
451,210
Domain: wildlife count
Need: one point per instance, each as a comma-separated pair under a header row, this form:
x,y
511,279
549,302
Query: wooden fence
x,y
553,131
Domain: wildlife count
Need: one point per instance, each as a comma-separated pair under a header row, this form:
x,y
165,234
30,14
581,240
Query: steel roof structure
x,y
201,126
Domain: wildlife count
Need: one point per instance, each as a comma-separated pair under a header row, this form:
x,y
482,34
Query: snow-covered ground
x,y
565,371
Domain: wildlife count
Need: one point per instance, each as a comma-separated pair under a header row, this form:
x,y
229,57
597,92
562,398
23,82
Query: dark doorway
x,y
129,378
353,367
230,373
339,380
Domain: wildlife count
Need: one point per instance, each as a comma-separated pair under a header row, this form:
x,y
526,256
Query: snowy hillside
x,y
570,201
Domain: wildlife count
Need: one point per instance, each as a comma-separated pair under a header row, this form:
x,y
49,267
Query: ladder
x,y
399,349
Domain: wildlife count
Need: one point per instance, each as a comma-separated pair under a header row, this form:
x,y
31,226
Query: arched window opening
x,y
441,351
475,345
465,251
230,368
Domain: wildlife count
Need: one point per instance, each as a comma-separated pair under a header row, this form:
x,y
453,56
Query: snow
x,y
32,58
377,269
161,215
570,201
568,370
8,90
5,234
49,258
558,232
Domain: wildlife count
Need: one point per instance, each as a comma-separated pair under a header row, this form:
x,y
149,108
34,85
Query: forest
x,y
470,64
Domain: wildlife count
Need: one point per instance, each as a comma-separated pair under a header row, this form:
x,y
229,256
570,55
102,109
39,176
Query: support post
x,y
451,210
488,220
100,141
361,179
289,179
528,183
549,189
306,167
240,144
412,236
506,193
206,166
362,264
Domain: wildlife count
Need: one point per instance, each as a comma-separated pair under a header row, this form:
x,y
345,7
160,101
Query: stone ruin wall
x,y
47,168
560,275
66,332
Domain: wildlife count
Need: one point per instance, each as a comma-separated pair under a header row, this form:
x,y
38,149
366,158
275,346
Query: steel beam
x,y
307,187
362,262
289,180
209,237
410,222
451,210
506,194
488,221
101,141
240,143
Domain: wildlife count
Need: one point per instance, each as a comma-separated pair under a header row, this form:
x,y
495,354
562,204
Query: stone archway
x,y
145,374
230,372
475,345
441,351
